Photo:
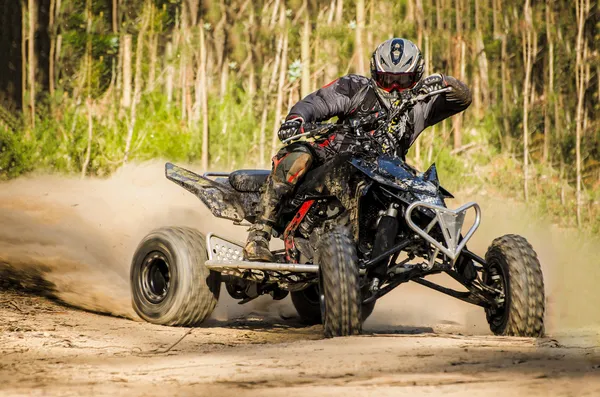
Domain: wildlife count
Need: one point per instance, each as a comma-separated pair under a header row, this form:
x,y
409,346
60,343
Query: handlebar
x,y
422,97
313,128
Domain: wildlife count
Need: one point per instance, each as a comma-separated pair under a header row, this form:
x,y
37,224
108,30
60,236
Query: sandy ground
x,y
50,349
67,327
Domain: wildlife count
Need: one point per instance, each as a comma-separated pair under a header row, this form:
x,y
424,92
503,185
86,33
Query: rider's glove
x,y
431,83
460,93
290,127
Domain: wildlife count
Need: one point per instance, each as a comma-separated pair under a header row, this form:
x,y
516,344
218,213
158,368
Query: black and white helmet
x,y
396,64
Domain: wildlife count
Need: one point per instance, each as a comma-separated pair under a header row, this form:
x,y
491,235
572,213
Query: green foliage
x,y
90,63
15,154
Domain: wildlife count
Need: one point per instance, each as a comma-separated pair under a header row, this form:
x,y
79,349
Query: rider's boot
x,y
257,245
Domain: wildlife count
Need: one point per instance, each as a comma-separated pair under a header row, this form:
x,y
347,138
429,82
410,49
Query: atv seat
x,y
248,180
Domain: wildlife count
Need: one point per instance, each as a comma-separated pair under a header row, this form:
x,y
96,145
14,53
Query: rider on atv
x,y
396,70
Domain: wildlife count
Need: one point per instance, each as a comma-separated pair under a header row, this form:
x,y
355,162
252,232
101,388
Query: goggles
x,y
395,81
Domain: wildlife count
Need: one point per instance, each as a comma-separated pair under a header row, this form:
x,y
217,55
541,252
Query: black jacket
x,y
356,96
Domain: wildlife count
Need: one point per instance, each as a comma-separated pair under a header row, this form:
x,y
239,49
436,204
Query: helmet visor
x,y
398,81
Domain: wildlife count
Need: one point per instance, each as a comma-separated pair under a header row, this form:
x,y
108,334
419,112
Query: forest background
x,y
88,85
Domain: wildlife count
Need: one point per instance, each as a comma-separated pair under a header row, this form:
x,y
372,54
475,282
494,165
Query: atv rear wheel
x,y
339,287
169,282
308,305
513,268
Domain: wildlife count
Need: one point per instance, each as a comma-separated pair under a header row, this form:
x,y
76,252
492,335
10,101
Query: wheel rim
x,y
156,277
312,295
496,278
321,293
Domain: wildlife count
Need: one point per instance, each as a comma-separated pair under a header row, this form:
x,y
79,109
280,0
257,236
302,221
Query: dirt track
x,y
49,349
72,240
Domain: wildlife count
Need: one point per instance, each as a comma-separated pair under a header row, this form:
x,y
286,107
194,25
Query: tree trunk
x,y
549,86
204,98
598,80
24,101
126,97
459,61
88,72
339,12
57,55
482,64
410,11
534,51
332,45
274,14
331,69
460,51
267,92
198,88
477,16
458,15
115,16
360,28
427,54
494,18
88,150
438,15
224,78
290,101
419,21
371,29
477,105
527,55
252,73
279,103
183,63
169,73
137,85
114,82
52,32
503,79
251,84
580,73
88,49
305,51
152,50
183,85
316,74
330,12
31,59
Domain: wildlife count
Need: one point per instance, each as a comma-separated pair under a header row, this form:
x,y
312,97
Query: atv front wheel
x,y
340,296
169,282
514,269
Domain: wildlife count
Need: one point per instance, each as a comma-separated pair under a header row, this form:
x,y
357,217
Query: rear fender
x,y
223,201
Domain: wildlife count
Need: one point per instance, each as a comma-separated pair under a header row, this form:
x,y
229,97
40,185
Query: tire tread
x,y
202,285
339,272
526,310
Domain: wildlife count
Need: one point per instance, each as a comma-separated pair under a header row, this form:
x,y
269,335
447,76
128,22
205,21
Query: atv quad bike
x,y
355,229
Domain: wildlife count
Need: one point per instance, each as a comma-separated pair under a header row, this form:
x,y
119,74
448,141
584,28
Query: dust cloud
x,y
73,239
570,262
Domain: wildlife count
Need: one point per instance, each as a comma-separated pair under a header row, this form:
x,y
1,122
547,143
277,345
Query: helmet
x,y
396,64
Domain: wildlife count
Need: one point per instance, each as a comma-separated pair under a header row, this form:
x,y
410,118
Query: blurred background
x,y
88,85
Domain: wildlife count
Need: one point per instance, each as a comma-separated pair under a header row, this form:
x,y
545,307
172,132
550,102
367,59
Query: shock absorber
x,y
307,224
385,237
